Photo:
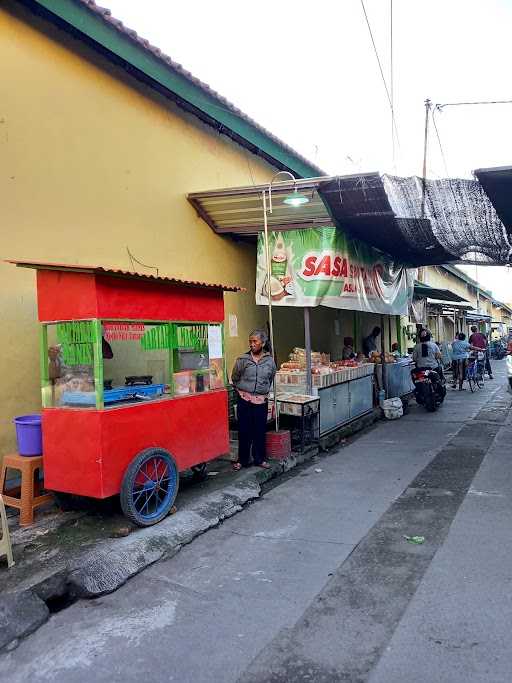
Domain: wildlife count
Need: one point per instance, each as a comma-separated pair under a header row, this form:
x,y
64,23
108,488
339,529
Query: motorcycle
x,y
429,388
497,350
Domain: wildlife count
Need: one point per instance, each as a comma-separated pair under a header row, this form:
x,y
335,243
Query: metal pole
x,y
270,319
267,258
307,346
383,354
425,150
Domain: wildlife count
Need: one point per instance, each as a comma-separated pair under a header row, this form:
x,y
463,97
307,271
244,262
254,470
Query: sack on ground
x,y
393,408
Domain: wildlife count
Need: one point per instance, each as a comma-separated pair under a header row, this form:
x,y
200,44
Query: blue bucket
x,y
29,434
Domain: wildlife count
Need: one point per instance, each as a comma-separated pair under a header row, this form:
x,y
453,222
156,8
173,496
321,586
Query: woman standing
x,y
460,355
252,377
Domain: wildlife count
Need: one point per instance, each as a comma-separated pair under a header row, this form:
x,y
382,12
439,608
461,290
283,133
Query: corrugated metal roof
x,y
240,210
127,274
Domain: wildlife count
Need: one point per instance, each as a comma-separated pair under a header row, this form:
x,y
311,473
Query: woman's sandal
x,y
264,465
237,466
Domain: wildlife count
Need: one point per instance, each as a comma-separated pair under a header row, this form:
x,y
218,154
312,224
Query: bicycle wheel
x,y
470,376
479,380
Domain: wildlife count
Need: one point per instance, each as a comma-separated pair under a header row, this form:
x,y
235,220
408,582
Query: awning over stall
x,y
416,223
474,316
497,185
459,306
433,293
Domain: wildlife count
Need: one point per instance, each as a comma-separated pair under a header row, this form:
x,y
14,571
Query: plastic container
x,y
182,382
29,434
278,444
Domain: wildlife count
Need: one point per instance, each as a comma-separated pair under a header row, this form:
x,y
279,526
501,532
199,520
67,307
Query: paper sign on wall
x,y
214,341
233,325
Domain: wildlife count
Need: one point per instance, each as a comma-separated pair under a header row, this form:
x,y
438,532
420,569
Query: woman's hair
x,y
425,336
461,336
348,341
263,336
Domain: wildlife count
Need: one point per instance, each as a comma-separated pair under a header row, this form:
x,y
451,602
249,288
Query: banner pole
x,y
267,258
270,319
383,354
307,348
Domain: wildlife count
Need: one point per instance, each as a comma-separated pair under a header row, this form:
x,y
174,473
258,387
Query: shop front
x,y
325,290
351,298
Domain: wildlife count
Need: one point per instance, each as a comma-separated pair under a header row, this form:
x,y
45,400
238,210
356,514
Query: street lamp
x,y
295,199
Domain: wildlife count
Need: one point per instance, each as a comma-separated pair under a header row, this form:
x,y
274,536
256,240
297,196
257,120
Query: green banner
x,y
322,267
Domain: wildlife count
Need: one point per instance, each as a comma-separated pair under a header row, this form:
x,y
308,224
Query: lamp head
x,y
295,199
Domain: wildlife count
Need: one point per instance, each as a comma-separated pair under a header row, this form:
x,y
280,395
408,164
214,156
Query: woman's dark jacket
x,y
255,378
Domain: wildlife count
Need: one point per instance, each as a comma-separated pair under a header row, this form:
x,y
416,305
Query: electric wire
x,y
459,104
443,157
144,265
381,72
391,81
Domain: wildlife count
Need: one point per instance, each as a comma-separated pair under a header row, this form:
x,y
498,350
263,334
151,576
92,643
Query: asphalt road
x,y
315,581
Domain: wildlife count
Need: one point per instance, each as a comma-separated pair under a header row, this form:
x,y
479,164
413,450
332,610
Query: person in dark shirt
x,y
347,352
370,342
479,340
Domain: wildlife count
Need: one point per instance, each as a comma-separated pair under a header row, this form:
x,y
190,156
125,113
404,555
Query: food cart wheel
x,y
149,487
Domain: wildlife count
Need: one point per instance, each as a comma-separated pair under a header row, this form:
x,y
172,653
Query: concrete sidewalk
x,y
287,562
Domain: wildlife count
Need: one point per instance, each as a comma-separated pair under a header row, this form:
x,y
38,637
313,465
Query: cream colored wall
x,y
92,163
437,277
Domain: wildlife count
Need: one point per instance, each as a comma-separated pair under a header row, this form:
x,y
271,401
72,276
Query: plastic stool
x,y
5,541
30,496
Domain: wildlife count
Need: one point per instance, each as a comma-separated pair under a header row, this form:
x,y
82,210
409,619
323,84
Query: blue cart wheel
x,y
149,487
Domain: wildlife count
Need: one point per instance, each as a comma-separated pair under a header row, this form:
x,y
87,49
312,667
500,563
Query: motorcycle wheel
x,y
430,399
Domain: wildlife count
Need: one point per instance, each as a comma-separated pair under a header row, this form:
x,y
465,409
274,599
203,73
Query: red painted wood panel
x,y
64,296
119,298
87,451
72,451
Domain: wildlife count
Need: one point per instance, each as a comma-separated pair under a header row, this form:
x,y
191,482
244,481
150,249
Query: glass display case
x,y
106,363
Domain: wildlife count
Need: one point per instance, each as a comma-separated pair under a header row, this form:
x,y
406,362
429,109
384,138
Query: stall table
x,y
343,396
305,410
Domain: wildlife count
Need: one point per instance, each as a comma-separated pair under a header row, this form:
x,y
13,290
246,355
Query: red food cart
x,y
133,383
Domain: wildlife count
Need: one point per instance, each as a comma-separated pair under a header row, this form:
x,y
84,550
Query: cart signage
x,y
123,331
322,267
